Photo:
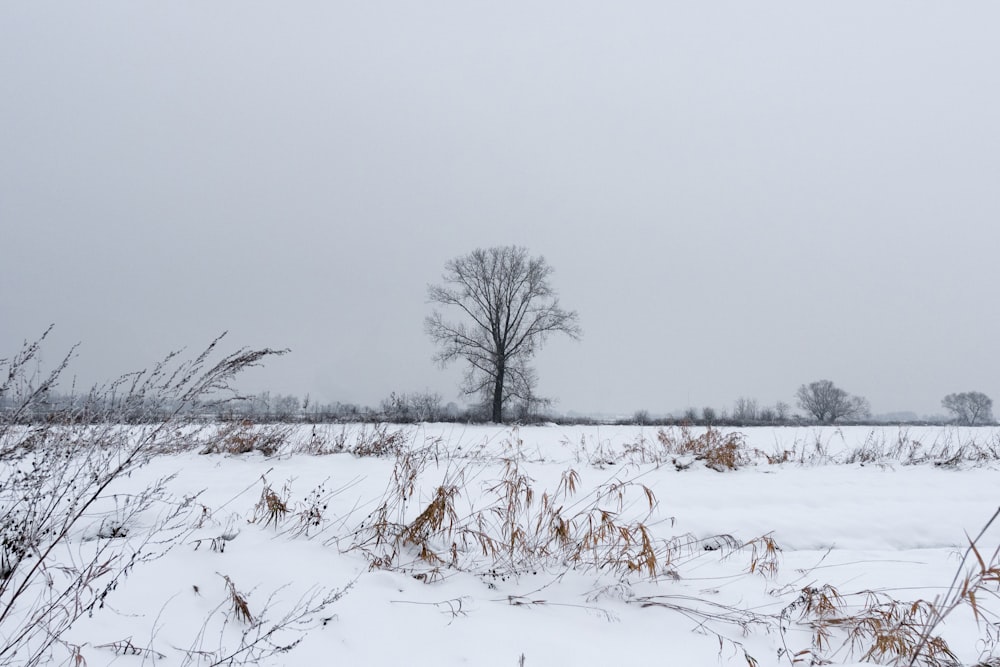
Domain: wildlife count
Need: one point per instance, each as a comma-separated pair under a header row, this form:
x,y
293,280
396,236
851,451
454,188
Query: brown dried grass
x,y
240,608
272,508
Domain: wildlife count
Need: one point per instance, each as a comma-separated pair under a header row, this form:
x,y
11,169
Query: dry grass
x,y
125,647
765,556
819,608
271,508
518,527
379,440
521,529
69,537
245,436
976,579
489,517
681,447
718,450
240,608
518,530
438,517
950,448
311,514
879,629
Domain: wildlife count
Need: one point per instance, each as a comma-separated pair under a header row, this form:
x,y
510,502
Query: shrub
x,y
245,436
379,441
719,451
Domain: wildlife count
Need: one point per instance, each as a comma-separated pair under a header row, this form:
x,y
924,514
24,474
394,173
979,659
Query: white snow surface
x,y
892,521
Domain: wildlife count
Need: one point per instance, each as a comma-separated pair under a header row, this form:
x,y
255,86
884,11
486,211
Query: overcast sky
x,y
736,197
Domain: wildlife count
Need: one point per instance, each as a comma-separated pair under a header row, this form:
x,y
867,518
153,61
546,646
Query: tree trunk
x,y
498,395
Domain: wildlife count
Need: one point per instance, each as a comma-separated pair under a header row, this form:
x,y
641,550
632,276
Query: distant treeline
x,y
104,406
399,408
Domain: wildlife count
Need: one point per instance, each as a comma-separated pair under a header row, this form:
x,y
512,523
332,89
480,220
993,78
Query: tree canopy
x,y
828,403
506,308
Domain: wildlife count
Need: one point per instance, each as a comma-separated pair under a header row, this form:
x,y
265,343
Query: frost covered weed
x,y
309,516
259,637
972,452
949,449
601,454
877,448
520,529
311,513
437,518
721,450
517,527
765,556
272,507
384,533
320,443
245,436
57,467
976,579
379,440
680,446
880,629
238,602
718,450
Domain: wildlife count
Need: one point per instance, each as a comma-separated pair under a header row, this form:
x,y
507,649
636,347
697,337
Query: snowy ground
x,y
878,514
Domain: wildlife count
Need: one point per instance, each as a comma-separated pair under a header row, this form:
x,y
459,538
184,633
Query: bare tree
x,y
969,407
418,406
286,407
827,402
745,410
507,309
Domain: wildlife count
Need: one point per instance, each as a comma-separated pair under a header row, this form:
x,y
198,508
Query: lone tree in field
x,y
506,309
827,402
969,408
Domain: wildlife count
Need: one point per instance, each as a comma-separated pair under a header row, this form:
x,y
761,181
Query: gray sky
x,y
738,198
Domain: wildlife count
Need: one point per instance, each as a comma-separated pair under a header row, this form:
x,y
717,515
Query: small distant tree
x,y
782,411
828,403
418,406
641,417
395,408
426,406
709,415
969,408
286,407
507,308
258,406
745,410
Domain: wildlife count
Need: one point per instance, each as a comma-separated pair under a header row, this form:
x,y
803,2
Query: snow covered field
x,y
551,545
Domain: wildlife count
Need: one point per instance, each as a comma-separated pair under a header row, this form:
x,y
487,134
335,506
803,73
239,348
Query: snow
x,y
895,520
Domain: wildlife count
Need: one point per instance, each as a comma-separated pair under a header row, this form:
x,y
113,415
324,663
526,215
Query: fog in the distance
x,y
736,198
